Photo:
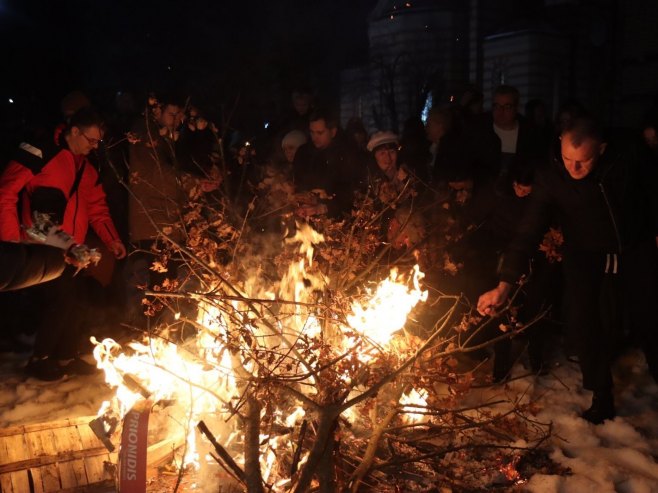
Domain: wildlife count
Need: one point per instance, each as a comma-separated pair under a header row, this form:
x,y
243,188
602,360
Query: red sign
x,y
132,455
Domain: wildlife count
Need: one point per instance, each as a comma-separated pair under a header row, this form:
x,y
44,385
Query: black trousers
x,y
600,291
64,306
538,293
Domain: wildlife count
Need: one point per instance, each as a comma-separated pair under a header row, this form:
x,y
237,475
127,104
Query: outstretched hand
x,y
491,300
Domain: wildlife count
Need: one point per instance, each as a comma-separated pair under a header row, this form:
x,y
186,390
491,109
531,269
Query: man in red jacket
x,y
64,167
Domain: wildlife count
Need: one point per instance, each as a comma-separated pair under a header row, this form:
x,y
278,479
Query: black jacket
x,y
336,170
485,158
612,209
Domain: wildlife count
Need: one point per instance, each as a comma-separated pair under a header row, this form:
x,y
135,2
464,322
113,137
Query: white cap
x,y
381,138
295,138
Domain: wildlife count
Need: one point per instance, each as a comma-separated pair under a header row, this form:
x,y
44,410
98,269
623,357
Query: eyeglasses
x,y
92,142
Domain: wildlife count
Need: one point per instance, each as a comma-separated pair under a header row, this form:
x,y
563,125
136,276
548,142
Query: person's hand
x,y
491,300
117,249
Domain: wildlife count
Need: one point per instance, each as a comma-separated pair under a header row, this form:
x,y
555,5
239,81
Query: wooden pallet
x,y
65,456
60,455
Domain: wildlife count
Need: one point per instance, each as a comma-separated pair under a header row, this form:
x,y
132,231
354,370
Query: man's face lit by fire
x,y
82,141
321,135
170,116
579,161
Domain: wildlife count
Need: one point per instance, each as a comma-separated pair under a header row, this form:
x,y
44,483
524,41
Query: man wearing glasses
x,y
501,135
64,167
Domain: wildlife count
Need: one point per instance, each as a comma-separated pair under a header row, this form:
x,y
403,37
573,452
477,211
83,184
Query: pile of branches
x,y
291,347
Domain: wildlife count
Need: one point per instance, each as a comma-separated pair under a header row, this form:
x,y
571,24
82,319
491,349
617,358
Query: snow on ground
x,y
617,456
28,400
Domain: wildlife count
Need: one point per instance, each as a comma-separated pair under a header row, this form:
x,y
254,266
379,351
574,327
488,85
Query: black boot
x,y
602,408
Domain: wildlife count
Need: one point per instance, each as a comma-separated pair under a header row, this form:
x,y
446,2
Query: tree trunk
x,y
252,446
324,440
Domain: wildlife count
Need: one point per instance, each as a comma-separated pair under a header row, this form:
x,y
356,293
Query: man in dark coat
x,y
327,163
501,135
605,202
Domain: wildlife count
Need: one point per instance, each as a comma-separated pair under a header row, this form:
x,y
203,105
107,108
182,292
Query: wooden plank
x,y
5,483
50,471
87,438
20,481
35,449
37,480
163,451
16,451
5,479
45,460
93,465
16,448
97,467
4,455
62,423
63,442
78,465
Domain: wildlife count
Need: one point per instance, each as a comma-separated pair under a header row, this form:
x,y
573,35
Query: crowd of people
x,y
563,207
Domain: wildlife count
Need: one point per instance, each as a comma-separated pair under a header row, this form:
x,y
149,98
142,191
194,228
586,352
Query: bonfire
x,y
306,363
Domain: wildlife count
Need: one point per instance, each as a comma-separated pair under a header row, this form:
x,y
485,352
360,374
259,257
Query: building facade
x,y
602,53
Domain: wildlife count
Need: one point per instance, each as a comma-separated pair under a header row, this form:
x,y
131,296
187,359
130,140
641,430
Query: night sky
x,y
211,50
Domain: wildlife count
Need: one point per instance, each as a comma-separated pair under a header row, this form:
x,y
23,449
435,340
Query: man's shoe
x,y
45,369
78,366
602,408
